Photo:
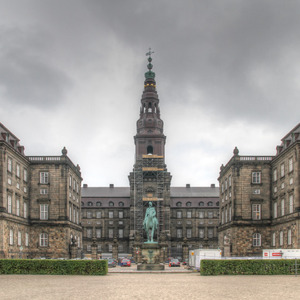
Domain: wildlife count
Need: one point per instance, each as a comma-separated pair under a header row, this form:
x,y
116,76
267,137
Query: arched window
x,y
189,203
178,204
98,203
256,240
201,203
90,203
149,149
209,203
111,203
121,203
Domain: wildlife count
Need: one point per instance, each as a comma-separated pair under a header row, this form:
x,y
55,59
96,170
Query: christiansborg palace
x,y
46,212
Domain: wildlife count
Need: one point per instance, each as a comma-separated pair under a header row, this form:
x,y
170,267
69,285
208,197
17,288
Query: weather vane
x,y
150,52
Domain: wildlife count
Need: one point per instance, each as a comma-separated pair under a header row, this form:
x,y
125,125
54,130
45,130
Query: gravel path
x,y
149,286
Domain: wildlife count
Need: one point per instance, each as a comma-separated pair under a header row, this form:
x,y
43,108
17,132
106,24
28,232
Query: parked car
x,y
125,263
111,263
174,263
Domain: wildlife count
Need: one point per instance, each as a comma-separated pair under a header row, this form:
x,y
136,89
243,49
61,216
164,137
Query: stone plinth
x,y
150,257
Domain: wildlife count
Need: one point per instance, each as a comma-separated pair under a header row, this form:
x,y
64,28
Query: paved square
x,y
149,286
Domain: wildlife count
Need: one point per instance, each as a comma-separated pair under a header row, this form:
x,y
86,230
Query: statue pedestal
x,y
150,258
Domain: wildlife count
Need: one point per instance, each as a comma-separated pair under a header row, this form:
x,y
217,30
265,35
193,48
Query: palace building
x,y
112,217
260,200
40,199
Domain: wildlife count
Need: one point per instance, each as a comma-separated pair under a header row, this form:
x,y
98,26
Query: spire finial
x,y
149,74
149,52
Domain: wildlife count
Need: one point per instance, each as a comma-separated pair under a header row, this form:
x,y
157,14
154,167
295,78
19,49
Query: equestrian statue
x,y
150,222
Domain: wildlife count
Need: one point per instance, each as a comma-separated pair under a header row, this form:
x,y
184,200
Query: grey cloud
x,y
28,76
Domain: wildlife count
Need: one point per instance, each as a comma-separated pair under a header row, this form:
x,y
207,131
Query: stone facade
x,y
260,200
39,202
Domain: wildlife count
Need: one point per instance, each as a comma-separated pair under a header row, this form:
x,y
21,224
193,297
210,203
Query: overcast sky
x,y
72,74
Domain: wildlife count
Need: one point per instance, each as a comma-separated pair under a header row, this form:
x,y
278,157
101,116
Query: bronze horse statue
x,y
150,223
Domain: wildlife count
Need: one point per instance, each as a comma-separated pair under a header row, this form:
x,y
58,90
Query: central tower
x,y
149,181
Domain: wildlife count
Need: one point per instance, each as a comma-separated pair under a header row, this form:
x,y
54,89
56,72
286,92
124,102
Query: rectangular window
x,y
281,170
189,214
44,240
121,214
26,239
280,238
89,214
9,204
201,233
9,165
11,237
282,207
256,211
189,233
110,233
44,177
275,175
77,217
44,211
74,215
25,175
179,214
256,177
98,233
18,170
88,248
98,214
210,214
70,181
201,214
226,184
210,233
89,232
19,238
229,216
121,233
111,214
256,240
273,239
179,233
18,207
225,215
275,210
291,167
229,181
289,240
70,212
25,210
222,216
109,247
291,204
43,191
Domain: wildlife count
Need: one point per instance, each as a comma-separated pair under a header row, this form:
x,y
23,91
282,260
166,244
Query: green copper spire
x,y
149,74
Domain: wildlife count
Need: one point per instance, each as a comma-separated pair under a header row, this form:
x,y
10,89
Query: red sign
x,y
276,254
266,254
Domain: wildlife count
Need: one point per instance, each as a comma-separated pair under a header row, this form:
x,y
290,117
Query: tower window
x,y
150,150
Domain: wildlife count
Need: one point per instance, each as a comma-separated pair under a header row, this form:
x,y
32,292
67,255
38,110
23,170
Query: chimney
x,y
85,185
111,185
188,186
212,185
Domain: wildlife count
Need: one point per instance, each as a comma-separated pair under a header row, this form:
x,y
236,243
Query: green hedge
x,y
53,267
249,267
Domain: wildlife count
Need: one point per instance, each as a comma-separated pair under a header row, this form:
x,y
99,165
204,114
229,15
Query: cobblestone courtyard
x,y
149,286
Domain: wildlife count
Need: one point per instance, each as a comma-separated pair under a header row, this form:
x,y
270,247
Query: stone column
x,y
94,248
115,249
137,248
163,247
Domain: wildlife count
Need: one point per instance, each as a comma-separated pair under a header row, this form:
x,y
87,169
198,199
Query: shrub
x,y
53,267
248,267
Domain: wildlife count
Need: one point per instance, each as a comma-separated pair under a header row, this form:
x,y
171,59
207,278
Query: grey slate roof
x,y
176,192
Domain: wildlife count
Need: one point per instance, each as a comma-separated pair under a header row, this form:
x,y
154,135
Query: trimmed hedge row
x,y
248,267
53,267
